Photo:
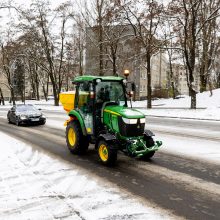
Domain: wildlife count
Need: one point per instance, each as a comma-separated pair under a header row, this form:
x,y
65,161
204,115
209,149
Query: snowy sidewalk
x,y
35,185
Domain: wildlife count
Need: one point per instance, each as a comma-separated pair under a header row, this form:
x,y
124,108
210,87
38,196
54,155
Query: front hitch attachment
x,y
137,147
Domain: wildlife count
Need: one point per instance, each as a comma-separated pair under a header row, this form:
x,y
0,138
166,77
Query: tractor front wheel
x,y
76,142
107,153
149,143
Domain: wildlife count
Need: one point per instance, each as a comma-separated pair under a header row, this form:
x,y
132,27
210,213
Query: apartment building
x,y
130,55
4,87
180,79
158,74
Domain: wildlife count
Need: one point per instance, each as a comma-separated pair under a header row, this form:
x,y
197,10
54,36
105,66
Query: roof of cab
x,y
91,78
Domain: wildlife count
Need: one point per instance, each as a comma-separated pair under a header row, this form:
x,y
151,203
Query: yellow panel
x,y
67,100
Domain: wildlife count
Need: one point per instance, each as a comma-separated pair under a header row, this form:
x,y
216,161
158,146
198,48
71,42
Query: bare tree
x,y
41,19
189,25
145,22
209,42
94,15
169,45
76,48
7,59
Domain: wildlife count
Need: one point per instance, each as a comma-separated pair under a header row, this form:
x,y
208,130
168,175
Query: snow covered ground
x,y
172,107
208,106
36,185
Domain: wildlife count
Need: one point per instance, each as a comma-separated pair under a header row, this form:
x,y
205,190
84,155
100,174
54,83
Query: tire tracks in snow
x,y
180,192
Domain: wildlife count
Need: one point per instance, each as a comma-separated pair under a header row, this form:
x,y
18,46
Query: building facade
x,y
180,79
4,87
122,50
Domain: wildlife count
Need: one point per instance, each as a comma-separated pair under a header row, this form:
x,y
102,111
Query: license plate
x,y
35,119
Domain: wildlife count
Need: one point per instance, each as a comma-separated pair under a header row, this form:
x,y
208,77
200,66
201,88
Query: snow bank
x,y
163,107
170,107
37,185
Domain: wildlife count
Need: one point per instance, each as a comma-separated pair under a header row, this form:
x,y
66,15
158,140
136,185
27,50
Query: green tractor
x,y
99,114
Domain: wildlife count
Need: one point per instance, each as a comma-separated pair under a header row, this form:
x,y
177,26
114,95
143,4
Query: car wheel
x,y
9,121
17,122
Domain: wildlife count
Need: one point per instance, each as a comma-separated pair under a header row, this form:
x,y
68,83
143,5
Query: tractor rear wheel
x,y
76,142
107,154
149,143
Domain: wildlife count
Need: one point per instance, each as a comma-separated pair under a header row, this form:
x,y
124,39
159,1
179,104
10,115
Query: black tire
x,y
107,154
76,142
17,122
149,143
9,121
43,123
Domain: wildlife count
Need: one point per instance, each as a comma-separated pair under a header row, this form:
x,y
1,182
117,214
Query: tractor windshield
x,y
110,91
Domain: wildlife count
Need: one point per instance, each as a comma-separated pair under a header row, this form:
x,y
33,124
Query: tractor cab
x,y
99,114
93,95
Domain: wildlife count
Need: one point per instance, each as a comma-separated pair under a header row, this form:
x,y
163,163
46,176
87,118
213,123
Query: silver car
x,y
25,114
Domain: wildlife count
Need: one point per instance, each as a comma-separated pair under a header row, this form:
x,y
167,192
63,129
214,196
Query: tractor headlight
x,y
129,121
142,120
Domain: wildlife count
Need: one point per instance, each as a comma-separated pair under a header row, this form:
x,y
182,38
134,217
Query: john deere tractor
x,y
99,114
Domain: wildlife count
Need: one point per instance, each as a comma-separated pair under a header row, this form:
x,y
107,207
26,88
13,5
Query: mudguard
x,y
77,115
148,133
106,137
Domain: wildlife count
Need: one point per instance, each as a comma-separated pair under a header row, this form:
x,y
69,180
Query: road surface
x,y
186,187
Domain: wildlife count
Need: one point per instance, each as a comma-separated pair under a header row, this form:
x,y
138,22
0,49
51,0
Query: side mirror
x,y
131,94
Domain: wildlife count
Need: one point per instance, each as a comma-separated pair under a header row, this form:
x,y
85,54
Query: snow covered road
x,y
40,179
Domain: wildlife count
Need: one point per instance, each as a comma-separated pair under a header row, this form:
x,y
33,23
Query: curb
x,y
201,119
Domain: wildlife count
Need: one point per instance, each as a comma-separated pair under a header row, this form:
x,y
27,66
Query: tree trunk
x,y
101,59
45,92
100,47
80,63
2,97
218,80
173,90
12,96
193,98
172,80
149,89
203,83
114,65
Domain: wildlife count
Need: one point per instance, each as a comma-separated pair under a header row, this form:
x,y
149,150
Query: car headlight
x,y
43,116
23,117
142,120
129,121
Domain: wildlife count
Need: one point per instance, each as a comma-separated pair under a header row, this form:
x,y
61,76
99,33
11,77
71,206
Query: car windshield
x,y
23,108
110,91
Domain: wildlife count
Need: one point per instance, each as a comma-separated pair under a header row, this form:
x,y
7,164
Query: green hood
x,y
125,112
